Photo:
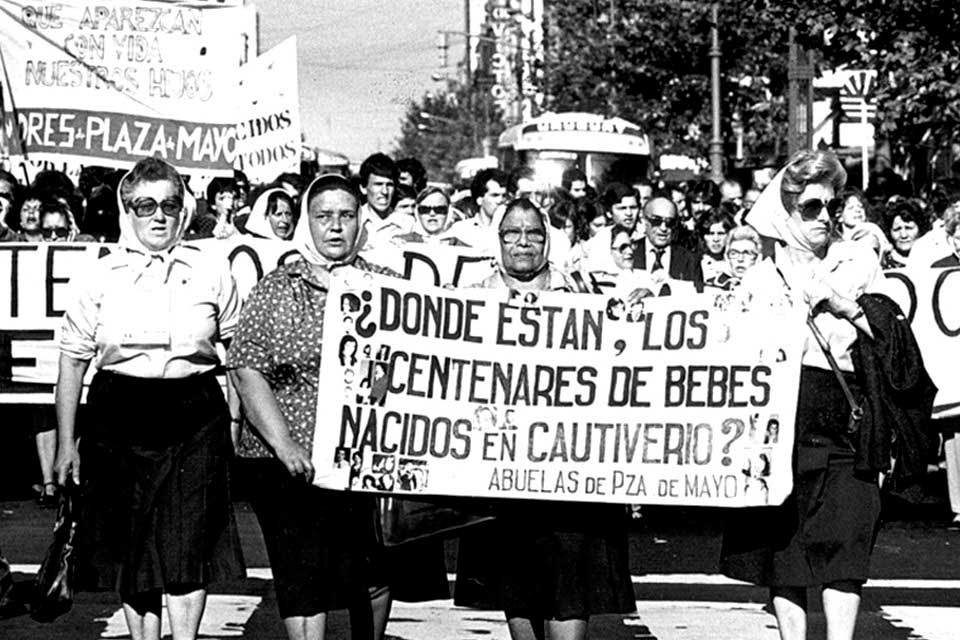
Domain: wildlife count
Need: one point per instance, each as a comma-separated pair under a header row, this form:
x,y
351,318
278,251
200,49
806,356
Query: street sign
x,y
857,109
859,84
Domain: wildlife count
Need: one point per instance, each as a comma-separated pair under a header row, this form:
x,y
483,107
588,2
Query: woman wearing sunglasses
x,y
822,535
433,217
157,517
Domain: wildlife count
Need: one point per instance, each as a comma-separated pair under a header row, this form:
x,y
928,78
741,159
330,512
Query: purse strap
x,y
856,411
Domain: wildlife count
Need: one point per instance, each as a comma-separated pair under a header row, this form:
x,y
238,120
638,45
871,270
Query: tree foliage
x,y
648,61
446,126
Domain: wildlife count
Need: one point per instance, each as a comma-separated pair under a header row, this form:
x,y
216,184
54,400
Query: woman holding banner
x,y
157,516
321,543
548,565
823,534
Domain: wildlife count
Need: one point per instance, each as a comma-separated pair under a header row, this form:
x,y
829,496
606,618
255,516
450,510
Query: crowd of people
x,y
159,489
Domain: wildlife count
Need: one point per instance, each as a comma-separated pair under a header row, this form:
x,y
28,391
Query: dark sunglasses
x,y
810,209
656,221
55,232
146,207
439,210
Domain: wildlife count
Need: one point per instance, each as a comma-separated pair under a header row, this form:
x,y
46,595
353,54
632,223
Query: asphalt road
x,y
914,593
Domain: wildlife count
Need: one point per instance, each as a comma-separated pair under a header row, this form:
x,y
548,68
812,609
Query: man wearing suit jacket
x,y
657,250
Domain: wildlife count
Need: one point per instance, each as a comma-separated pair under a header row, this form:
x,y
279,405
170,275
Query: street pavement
x,y
914,593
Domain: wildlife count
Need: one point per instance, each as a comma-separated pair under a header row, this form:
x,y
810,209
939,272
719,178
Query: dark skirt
x,y
156,509
323,548
547,560
825,530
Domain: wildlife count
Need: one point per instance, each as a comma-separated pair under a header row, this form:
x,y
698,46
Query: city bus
x,y
605,149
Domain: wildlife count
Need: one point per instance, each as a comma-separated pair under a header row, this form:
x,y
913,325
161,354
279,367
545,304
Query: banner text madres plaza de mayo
x,y
111,83
476,392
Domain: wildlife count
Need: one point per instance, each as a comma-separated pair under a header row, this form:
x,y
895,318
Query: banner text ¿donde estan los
x,y
557,396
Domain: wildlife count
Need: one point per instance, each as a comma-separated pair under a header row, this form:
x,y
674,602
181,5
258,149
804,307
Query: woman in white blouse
x,y
157,517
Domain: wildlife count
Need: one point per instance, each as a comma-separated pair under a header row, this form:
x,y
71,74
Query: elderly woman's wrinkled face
x,y
904,233
30,215
155,209
812,215
523,241
741,255
281,220
333,223
853,212
432,212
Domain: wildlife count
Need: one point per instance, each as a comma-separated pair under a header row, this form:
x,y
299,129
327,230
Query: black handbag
x,y
54,584
401,520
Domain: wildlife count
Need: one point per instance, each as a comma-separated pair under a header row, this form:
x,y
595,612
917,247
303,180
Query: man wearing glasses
x,y
657,251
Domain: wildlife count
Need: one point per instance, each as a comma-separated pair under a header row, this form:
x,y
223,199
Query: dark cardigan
x,y
898,393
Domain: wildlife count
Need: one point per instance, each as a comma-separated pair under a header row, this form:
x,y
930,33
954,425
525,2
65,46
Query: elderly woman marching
x,y
321,543
548,565
157,517
823,534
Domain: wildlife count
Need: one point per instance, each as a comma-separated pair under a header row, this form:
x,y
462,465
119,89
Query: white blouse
x,y
151,317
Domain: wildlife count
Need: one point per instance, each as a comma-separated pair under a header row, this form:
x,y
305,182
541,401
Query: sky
x,y
361,62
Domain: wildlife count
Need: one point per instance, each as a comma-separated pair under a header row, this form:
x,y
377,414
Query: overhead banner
x,y
269,133
555,396
109,83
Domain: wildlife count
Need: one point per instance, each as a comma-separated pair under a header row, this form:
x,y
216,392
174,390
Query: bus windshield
x,y
606,150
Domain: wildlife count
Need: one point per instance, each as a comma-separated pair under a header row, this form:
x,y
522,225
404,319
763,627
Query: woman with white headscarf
x,y
548,566
321,543
823,534
433,217
157,517
273,215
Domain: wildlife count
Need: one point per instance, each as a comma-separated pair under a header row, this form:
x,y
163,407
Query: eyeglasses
x,y
439,210
146,207
656,221
810,209
733,254
534,236
623,248
55,232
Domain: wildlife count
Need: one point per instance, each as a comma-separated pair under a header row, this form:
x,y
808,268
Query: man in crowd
x,y
489,191
574,182
658,251
378,184
411,172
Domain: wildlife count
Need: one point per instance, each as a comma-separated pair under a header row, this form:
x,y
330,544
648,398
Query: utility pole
x,y
799,96
716,141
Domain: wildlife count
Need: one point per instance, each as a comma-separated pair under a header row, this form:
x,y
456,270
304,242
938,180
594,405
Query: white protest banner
x,y
268,135
436,264
110,82
38,278
556,396
930,298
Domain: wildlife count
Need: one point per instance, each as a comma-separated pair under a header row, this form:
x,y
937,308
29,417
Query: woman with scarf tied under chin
x,y
823,534
157,517
321,543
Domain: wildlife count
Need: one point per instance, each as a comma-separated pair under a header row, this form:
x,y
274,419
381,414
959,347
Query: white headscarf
x,y
303,239
152,258
498,217
770,218
257,221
